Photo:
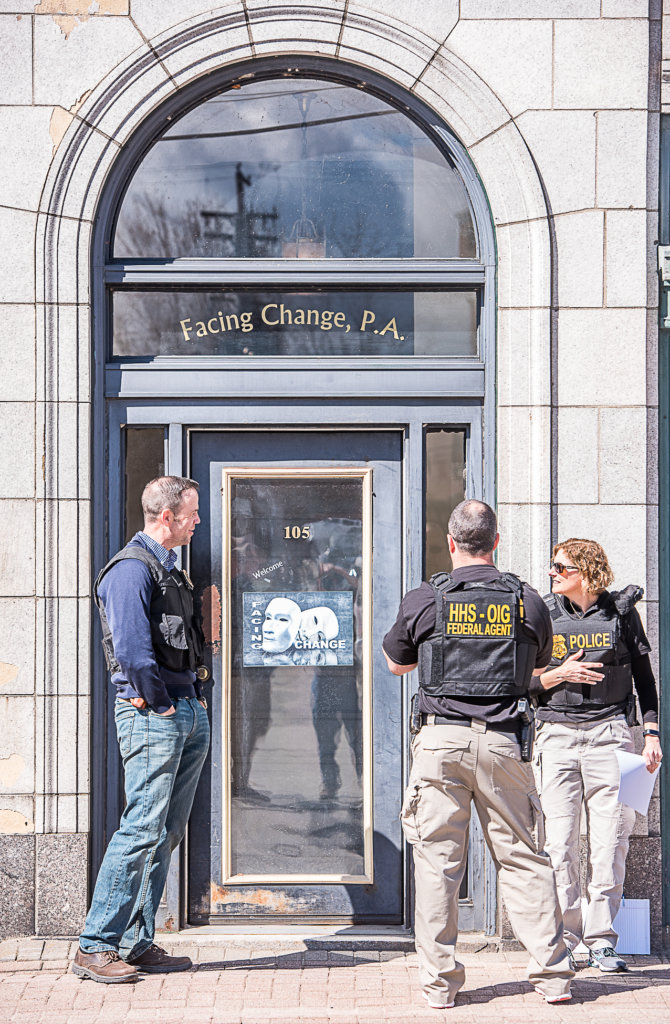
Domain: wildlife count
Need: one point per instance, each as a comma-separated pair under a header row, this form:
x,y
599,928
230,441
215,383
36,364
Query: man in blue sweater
x,y
153,644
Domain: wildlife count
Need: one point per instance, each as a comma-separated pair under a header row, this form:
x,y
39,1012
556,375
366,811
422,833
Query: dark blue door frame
x,y
664,499
404,393
411,418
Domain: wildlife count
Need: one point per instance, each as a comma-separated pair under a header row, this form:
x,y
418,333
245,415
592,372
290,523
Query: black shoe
x,y
155,960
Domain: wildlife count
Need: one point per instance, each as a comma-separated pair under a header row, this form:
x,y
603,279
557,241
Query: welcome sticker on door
x,y
298,628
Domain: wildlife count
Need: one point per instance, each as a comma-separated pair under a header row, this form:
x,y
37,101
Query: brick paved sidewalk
x,y
256,986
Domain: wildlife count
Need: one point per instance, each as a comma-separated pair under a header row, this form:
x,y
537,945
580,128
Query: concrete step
x,y
357,937
211,941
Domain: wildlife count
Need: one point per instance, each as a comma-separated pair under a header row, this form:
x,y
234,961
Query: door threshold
x,y
298,938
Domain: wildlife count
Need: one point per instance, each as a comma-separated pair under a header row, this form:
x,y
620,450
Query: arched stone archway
x,y
69,387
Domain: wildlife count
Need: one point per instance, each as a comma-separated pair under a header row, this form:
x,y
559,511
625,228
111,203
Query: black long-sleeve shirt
x,y
643,677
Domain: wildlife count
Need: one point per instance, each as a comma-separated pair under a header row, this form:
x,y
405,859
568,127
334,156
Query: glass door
x,y
297,602
298,561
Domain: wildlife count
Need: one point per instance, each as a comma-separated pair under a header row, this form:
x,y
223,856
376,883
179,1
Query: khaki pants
x,y
576,764
453,765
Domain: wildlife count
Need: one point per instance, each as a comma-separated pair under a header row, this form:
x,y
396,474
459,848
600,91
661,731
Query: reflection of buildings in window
x,y
251,692
444,488
296,636
232,178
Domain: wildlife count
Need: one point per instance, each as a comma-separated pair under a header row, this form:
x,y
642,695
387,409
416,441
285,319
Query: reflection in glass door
x,y
297,592
287,823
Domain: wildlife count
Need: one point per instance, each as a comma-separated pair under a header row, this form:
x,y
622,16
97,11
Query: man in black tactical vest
x,y
477,636
154,649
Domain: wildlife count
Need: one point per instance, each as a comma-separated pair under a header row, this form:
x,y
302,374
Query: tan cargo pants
x,y
453,765
575,764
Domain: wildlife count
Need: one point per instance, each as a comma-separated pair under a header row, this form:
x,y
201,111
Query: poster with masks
x,y
299,628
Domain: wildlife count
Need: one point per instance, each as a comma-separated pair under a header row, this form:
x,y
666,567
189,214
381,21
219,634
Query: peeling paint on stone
x,y
68,24
14,823
78,102
82,8
58,125
211,616
11,768
8,673
69,14
276,902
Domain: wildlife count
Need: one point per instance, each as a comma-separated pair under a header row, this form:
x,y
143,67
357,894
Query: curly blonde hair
x,y
591,561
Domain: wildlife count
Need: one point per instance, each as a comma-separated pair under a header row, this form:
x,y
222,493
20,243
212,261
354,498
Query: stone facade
x,y
558,104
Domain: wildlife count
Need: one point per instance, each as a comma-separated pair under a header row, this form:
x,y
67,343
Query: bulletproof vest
x,y
477,648
600,636
176,634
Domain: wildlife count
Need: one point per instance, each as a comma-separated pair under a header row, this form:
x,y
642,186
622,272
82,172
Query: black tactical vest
x,y
599,636
176,634
477,648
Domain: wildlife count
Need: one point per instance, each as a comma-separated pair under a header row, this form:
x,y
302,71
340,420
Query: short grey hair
x,y
473,527
165,492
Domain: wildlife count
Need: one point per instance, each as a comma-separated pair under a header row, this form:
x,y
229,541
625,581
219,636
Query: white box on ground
x,y
632,926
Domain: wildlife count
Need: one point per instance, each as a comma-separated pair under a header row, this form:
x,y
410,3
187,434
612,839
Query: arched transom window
x,y
296,215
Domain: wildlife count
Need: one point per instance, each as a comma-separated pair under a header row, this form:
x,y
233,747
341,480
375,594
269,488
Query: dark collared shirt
x,y
416,621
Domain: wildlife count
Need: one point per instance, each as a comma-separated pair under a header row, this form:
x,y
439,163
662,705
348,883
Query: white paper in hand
x,y
636,784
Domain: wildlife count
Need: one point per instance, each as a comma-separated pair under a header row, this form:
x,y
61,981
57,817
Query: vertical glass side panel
x,y
444,460
145,459
297,560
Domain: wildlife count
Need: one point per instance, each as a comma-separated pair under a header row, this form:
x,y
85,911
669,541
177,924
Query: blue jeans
x,y
162,760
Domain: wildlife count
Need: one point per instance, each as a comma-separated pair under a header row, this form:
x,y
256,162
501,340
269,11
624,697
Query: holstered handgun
x,y
631,710
415,721
527,728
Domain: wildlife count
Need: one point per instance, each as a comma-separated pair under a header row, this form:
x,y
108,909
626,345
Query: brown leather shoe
x,y
107,967
155,960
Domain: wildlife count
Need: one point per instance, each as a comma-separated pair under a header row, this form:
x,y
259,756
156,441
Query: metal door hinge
x,y
664,263
664,271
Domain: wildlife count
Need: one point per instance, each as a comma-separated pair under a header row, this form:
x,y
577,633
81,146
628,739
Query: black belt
x,y
446,720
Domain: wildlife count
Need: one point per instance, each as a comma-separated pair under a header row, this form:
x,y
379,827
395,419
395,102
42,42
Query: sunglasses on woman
x,y
562,569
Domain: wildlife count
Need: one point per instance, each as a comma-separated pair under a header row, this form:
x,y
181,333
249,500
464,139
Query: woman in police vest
x,y
585,705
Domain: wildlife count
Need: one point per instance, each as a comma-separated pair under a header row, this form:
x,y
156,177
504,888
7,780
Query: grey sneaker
x,y
607,959
572,963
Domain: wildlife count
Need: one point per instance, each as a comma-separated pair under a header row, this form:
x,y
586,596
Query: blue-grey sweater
x,y
126,592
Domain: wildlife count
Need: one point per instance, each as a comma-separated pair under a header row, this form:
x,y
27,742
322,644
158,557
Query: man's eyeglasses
x,y
562,569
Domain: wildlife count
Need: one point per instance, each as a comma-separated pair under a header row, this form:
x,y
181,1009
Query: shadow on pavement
x,y
584,989
295,961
